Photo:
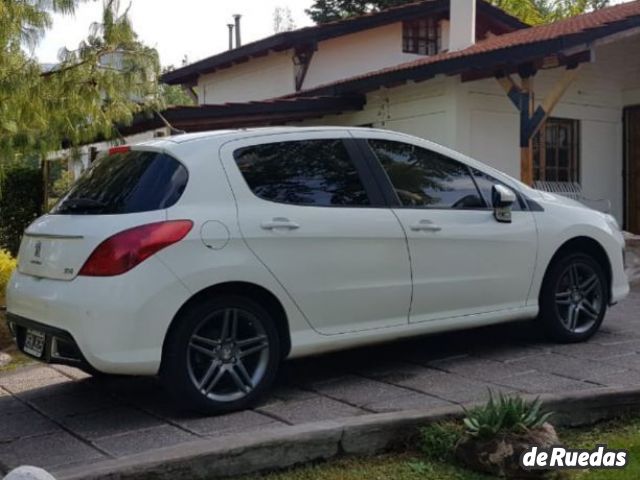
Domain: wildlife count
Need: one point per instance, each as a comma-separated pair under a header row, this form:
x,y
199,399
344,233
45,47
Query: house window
x,y
422,36
556,151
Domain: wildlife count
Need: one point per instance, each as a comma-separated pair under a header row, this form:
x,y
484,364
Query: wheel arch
x,y
251,290
588,246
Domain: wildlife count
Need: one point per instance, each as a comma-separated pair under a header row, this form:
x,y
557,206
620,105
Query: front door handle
x,y
425,226
279,224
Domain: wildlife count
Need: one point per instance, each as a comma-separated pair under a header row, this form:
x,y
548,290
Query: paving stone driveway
x,y
57,417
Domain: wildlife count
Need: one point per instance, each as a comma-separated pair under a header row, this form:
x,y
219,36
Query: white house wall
x,y
361,52
426,110
258,79
335,59
631,97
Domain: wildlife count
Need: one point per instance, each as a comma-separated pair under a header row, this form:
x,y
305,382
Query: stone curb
x,y
287,446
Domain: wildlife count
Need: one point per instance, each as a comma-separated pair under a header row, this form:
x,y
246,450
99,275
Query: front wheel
x,y
574,298
222,356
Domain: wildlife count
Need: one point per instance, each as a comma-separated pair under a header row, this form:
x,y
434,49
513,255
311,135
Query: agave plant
x,y
505,414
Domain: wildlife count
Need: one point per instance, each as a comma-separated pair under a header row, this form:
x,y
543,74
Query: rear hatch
x,y
120,191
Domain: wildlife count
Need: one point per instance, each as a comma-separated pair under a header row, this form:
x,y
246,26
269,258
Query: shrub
x,y
438,440
7,265
505,415
21,199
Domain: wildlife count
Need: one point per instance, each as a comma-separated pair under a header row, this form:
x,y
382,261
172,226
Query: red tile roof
x,y
618,15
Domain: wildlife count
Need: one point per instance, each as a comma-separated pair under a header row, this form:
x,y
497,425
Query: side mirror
x,y
502,198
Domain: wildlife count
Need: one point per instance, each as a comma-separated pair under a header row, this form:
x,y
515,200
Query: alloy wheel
x,y
579,297
228,354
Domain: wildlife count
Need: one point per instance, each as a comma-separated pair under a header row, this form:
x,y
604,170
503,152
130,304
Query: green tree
x,y
537,12
533,12
175,95
324,11
109,78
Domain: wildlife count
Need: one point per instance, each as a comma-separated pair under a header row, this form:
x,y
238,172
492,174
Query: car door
x,y
310,212
464,261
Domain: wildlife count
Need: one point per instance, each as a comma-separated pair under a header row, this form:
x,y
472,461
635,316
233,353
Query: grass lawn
x,y
618,434
385,467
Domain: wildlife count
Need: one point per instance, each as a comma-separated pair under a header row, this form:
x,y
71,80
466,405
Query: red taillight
x,y
120,149
120,253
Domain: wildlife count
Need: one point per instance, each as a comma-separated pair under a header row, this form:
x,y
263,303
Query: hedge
x,y
21,201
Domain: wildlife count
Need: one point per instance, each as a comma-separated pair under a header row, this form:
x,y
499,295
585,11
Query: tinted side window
x,y
310,172
423,178
135,181
485,184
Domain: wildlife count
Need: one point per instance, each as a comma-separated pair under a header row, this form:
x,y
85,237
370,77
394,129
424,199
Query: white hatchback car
x,y
209,258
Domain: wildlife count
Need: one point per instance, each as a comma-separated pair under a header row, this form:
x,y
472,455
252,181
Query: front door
x,y
464,261
632,148
308,211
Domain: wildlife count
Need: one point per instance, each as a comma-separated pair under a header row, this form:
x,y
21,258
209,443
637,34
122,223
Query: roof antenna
x,y
172,129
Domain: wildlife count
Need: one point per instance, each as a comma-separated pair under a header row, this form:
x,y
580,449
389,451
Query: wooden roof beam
x,y
533,119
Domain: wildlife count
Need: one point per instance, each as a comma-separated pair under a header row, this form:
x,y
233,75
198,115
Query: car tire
x,y
574,298
222,355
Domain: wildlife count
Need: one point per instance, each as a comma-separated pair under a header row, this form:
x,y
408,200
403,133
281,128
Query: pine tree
x,y
109,78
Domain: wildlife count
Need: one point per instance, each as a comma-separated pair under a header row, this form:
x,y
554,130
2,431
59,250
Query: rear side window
x,y
309,172
426,179
131,182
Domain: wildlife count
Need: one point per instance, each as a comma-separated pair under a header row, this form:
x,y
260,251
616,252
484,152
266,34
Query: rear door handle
x,y
279,224
425,226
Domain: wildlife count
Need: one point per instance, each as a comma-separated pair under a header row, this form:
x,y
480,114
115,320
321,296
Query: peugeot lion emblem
x,y
37,250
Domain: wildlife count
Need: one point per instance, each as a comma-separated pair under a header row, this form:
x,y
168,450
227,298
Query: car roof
x,y
246,132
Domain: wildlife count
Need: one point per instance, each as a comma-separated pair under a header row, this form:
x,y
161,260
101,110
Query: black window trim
x,y
393,201
371,188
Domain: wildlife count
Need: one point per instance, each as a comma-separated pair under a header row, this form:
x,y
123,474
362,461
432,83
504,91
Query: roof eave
x,y
236,115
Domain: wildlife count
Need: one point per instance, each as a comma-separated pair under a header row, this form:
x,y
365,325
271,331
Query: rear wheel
x,y
574,298
222,356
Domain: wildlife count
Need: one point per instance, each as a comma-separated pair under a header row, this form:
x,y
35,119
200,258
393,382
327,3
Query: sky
x,y
196,28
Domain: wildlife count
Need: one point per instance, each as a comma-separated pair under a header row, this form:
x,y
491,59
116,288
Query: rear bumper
x,y
60,346
118,324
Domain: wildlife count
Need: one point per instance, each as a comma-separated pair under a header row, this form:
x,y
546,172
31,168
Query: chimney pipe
x,y
237,17
230,27
462,25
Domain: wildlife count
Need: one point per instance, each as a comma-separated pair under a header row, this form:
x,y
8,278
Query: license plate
x,y
34,343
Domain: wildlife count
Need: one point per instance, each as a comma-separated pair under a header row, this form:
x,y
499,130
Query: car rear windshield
x,y
131,182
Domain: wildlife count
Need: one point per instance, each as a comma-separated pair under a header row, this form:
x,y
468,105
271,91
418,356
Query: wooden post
x,y
532,119
526,142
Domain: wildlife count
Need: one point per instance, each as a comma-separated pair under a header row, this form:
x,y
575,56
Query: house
x,y
554,105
